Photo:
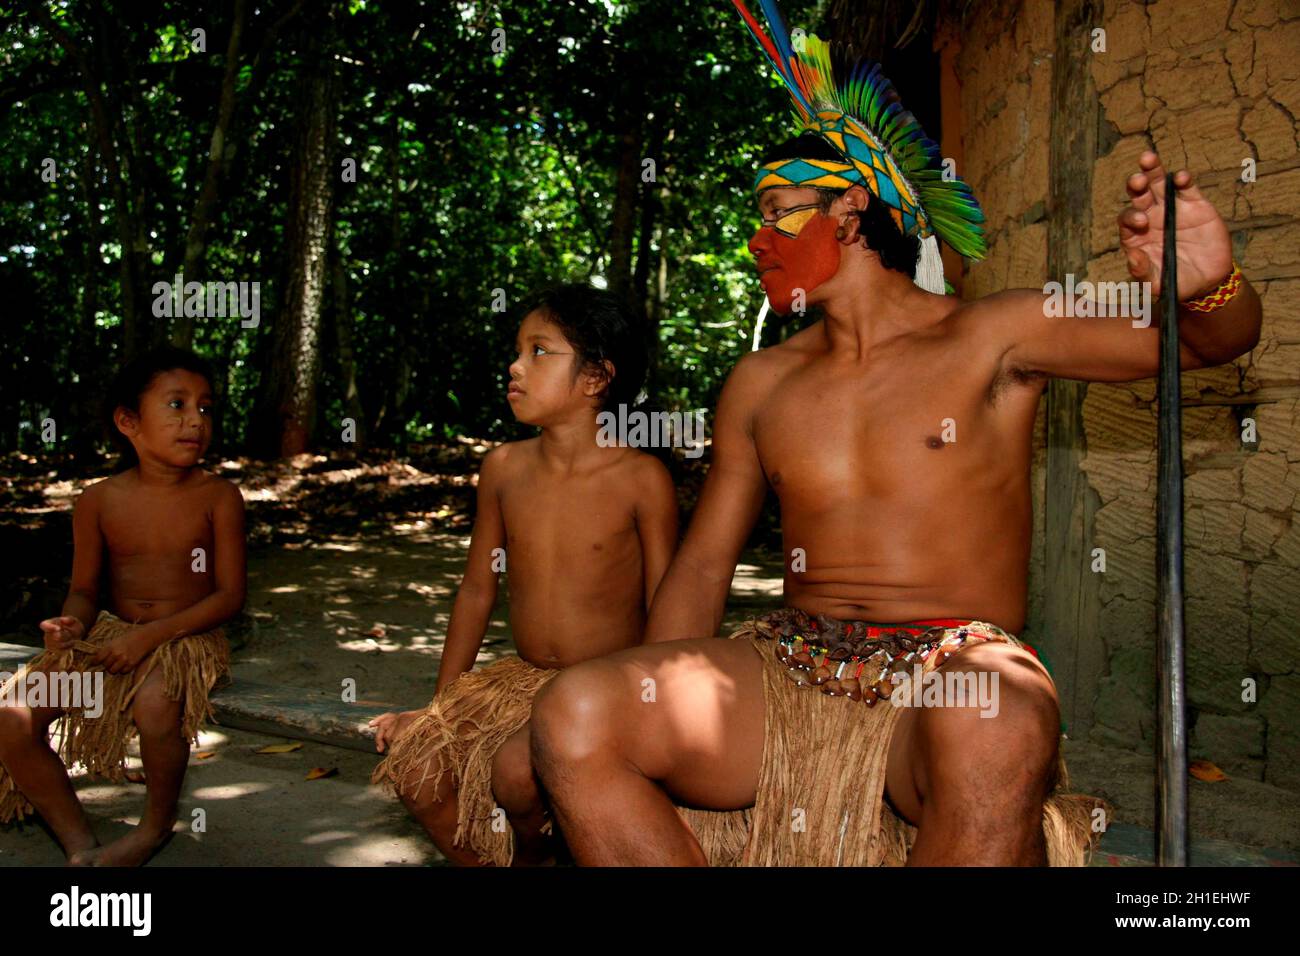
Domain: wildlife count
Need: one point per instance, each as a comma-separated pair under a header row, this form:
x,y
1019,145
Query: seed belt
x,y
857,659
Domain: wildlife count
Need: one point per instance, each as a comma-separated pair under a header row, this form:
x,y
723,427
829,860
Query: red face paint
x,y
804,261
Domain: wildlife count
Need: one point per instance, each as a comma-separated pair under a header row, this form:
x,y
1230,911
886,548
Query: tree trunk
x,y
346,352
125,215
290,387
196,237
646,262
644,254
650,280
85,357
622,227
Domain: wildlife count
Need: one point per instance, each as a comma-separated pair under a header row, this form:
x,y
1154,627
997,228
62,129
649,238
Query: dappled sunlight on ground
x,y
258,809
376,612
230,791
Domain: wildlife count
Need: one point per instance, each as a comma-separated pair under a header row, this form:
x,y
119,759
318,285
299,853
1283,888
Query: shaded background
x,y
495,147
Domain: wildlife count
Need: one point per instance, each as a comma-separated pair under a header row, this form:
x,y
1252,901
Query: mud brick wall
x,y
1208,84
1004,72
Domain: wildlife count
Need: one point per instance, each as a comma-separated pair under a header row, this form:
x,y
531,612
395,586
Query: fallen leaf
x,y
317,773
1204,770
135,776
279,748
376,631
204,755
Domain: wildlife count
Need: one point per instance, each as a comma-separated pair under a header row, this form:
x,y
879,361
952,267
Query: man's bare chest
x,y
880,434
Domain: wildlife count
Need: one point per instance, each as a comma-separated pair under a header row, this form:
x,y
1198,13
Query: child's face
x,y
174,424
542,380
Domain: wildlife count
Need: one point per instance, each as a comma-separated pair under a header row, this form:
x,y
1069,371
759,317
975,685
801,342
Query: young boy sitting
x,y
171,538
587,531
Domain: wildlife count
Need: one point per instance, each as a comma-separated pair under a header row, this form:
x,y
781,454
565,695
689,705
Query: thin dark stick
x,y
1171,767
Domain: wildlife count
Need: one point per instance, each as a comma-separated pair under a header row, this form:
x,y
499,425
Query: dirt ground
x,y
375,608
258,810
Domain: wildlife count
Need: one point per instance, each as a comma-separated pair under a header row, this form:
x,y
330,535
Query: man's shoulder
x,y
993,324
758,375
766,364
1008,306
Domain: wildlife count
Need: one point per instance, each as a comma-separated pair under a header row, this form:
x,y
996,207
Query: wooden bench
x,y
272,709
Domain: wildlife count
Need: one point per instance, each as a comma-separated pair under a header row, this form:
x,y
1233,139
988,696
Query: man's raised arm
x,y
1091,345
693,594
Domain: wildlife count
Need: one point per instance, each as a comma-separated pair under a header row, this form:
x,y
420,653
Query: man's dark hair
x,y
896,251
600,327
134,379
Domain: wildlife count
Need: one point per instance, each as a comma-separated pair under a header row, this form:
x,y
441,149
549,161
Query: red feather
x,y
757,30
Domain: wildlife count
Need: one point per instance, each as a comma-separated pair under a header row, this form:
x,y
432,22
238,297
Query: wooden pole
x,y
1171,767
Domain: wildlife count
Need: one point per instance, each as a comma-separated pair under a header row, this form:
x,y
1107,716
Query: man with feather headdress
x,y
852,725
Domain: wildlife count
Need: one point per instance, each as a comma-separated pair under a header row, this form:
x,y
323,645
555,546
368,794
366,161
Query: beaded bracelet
x,y
1221,296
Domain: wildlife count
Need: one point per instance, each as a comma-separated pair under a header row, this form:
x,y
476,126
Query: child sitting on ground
x,y
588,530
170,538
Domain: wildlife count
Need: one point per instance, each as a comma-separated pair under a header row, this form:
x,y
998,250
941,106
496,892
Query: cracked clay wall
x,y
1210,85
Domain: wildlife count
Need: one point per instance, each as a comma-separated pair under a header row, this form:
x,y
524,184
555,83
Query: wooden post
x,y
1071,591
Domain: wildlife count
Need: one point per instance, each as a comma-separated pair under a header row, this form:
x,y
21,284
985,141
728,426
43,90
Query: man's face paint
x,y
796,249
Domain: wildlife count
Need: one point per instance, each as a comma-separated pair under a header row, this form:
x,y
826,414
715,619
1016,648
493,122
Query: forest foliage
x,y
391,176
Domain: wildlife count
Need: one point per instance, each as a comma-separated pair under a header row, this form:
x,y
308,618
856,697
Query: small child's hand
x,y
384,726
62,632
388,727
122,654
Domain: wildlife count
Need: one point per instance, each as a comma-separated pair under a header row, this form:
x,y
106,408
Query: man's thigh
x,y
923,733
689,715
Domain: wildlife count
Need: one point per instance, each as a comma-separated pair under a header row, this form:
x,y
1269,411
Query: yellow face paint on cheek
x,y
792,224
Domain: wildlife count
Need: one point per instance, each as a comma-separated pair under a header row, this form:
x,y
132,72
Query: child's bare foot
x,y
134,849
83,856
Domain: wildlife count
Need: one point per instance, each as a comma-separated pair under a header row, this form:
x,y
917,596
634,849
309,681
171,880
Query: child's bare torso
x,y
574,558
158,544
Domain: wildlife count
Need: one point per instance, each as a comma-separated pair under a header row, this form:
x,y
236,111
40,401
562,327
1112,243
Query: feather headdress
x,y
883,146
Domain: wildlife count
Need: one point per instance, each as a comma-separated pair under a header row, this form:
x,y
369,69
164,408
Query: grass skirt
x,y
191,667
458,734
838,780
